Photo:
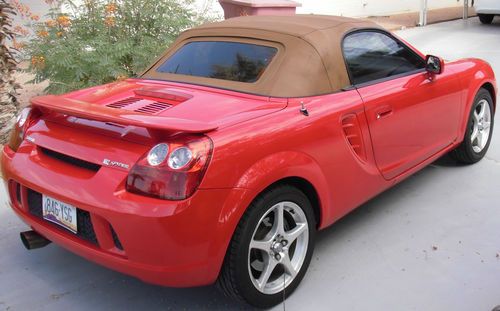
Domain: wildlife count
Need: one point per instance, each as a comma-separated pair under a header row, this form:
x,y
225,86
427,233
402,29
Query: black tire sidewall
x,y
486,18
475,156
261,206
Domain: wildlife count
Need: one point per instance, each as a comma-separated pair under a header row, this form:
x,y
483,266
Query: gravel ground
x,y
430,243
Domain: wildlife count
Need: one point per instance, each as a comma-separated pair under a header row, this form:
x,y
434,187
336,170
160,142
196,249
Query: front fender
x,y
477,73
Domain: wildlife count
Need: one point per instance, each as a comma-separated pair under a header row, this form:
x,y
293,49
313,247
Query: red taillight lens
x,y
166,180
19,128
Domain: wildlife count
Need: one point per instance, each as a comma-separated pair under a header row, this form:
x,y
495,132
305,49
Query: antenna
x,y
303,109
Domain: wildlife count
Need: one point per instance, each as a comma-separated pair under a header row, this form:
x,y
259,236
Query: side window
x,y
373,55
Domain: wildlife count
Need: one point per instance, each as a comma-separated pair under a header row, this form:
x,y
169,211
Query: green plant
x,y
102,40
8,85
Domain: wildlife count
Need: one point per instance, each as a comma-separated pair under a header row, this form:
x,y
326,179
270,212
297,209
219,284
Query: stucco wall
x,y
355,8
370,7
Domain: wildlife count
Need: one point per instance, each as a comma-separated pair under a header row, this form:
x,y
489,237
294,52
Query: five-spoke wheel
x,y
278,247
479,130
271,248
481,124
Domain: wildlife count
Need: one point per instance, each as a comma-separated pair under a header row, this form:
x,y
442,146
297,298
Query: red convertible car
x,y
223,159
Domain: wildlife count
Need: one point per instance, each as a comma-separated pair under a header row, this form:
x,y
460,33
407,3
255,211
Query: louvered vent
x,y
141,105
123,103
352,132
153,108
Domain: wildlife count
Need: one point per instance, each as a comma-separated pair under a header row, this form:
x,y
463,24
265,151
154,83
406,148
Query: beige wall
x,y
370,7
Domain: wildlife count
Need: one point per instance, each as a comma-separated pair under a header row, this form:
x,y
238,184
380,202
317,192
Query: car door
x,y
411,114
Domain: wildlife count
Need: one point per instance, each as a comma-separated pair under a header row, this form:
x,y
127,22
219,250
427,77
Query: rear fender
x,y
272,169
260,176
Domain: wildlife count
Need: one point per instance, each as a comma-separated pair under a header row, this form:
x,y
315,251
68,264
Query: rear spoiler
x,y
52,103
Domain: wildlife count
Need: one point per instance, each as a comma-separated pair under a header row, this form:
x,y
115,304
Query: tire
x,y
244,266
486,18
472,150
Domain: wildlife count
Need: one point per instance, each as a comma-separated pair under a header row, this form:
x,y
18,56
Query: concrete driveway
x,y
431,243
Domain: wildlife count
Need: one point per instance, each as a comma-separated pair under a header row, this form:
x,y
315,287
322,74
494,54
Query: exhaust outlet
x,y
32,240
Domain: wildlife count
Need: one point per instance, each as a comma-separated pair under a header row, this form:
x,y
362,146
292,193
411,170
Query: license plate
x,y
59,213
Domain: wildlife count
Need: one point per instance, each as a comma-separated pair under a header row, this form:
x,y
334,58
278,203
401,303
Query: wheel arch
x,y
480,75
295,168
289,167
491,89
306,187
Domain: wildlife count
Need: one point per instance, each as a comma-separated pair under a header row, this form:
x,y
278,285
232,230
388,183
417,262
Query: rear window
x,y
232,61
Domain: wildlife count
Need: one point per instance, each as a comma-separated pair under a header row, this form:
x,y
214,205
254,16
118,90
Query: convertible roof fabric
x,y
309,61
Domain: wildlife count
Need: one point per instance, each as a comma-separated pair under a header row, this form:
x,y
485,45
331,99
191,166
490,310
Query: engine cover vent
x,y
137,104
123,103
153,108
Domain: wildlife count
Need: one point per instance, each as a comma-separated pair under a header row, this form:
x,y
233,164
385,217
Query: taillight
x,y
171,170
19,128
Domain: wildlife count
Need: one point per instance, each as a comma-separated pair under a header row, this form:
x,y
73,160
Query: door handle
x,y
384,111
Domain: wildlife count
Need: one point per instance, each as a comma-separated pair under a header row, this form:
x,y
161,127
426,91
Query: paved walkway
x,y
408,20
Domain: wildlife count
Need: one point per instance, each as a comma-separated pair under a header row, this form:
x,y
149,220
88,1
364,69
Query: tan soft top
x,y
309,60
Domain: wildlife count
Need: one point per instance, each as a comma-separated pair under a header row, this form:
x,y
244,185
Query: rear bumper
x,y
493,11
487,6
178,244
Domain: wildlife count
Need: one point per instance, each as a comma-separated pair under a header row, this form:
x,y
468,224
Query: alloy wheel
x,y
278,247
481,126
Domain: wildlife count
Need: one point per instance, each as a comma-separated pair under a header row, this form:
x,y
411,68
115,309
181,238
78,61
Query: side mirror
x,y
434,64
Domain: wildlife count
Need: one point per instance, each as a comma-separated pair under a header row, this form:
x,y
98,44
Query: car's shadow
x,y
73,281
496,21
376,206
482,27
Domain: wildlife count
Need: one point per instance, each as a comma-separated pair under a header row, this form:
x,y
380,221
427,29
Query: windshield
x,y
232,61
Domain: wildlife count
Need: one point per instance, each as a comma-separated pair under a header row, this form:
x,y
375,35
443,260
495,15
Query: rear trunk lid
x,y
113,125
177,101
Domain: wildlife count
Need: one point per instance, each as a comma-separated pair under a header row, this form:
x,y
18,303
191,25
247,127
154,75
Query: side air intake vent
x,y
352,132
